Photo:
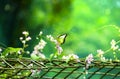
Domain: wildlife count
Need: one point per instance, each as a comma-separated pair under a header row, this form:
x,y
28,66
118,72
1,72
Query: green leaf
x,y
11,51
34,57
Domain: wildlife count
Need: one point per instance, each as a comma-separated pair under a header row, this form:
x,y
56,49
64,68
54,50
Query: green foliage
x,y
11,52
79,19
90,25
38,53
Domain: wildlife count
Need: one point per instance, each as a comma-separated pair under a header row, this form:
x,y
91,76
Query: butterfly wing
x,y
61,39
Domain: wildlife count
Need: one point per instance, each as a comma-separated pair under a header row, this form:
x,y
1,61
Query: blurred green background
x,y
88,23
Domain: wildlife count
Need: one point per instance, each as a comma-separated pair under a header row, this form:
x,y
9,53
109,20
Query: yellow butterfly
x,y
61,39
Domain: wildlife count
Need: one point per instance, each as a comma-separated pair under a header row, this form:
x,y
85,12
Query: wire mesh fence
x,y
26,68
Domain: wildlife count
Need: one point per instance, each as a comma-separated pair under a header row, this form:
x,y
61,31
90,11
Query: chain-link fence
x,y
26,68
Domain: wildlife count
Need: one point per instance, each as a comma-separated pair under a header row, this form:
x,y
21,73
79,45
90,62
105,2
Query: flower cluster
x,y
100,55
88,60
34,72
37,52
113,45
40,45
58,47
115,48
51,38
25,39
71,57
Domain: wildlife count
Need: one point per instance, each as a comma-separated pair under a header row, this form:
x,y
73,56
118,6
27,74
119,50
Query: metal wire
x,y
26,68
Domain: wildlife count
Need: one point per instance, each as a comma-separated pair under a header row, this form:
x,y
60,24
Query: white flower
x,y
28,38
71,57
100,52
42,42
60,50
21,38
38,54
40,33
113,45
48,36
36,47
52,39
0,50
88,60
74,57
19,52
33,72
58,47
41,55
103,59
113,42
30,65
35,52
41,45
25,33
23,41
65,57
